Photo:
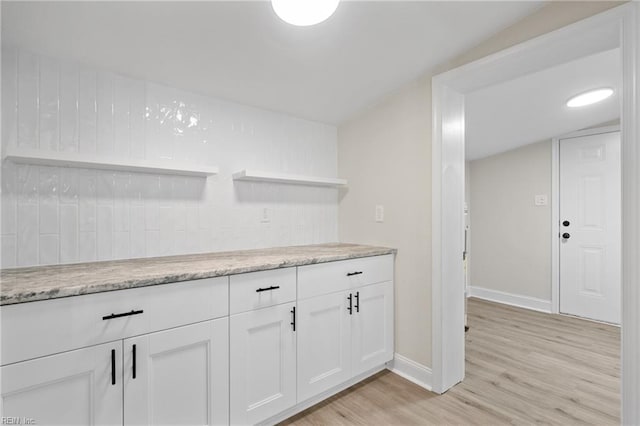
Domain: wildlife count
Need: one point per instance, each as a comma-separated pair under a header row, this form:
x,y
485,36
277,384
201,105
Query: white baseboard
x,y
411,370
526,302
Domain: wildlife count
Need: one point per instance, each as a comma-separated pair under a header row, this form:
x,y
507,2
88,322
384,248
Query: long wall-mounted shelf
x,y
74,159
260,176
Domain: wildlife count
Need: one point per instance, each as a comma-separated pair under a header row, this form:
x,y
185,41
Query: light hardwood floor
x,y
522,367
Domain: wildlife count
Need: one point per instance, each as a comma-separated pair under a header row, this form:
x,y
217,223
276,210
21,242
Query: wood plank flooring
x,y
522,367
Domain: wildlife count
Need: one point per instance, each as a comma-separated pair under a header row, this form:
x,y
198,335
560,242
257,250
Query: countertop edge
x,y
72,291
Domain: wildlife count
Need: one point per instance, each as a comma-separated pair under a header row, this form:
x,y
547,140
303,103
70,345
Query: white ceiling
x,y
533,108
241,51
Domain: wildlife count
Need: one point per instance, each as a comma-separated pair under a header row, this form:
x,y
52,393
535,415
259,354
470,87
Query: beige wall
x,y
385,152
511,235
384,157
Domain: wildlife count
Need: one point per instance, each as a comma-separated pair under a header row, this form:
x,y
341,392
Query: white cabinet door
x,y
263,363
181,376
324,343
372,327
81,387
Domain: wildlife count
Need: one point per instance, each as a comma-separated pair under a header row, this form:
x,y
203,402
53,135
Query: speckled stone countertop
x,y
22,285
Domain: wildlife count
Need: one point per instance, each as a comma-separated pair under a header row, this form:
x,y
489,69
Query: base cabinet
x,y
263,363
237,350
79,387
178,376
342,335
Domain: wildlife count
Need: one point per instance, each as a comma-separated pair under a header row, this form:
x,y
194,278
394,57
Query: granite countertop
x,y
20,285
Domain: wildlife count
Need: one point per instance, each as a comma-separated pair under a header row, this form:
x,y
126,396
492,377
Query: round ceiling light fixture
x,y
304,13
590,97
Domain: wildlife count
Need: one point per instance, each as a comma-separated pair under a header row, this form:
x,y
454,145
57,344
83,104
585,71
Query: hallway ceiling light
x,y
303,13
590,97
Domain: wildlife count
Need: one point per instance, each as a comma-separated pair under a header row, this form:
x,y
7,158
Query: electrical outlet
x,y
266,215
379,213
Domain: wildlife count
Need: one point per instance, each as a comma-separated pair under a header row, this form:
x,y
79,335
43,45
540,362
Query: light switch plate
x,y
541,200
379,213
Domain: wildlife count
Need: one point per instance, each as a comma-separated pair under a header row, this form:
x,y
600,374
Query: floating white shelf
x,y
74,159
259,176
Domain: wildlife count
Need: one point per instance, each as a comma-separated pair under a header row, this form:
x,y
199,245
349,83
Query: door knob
x,y
566,235
566,223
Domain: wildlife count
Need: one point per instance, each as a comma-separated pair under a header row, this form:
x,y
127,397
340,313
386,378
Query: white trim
x,y
555,225
448,169
630,35
555,206
573,41
590,132
321,397
411,370
526,302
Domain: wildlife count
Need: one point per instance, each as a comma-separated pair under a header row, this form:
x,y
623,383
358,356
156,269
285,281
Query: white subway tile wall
x,y
53,215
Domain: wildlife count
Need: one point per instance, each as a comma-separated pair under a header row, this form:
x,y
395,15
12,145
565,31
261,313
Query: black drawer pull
x,y
125,314
273,287
133,367
113,366
350,274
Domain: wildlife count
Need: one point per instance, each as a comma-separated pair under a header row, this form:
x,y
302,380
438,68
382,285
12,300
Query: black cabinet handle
x,y
273,287
293,317
124,314
566,235
357,301
350,274
350,308
113,366
133,367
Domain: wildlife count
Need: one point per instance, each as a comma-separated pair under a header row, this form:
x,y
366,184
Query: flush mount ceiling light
x,y
303,13
590,97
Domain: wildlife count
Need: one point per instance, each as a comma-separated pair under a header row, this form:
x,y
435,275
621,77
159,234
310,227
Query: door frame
x,y
555,206
449,88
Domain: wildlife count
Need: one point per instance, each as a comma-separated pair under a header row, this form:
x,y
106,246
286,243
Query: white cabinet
x,y
342,335
263,363
79,387
171,354
324,343
178,376
182,372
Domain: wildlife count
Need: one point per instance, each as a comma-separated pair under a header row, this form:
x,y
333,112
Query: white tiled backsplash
x,y
63,215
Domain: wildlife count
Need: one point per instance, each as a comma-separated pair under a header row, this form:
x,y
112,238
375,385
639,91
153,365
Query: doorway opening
x,y
608,30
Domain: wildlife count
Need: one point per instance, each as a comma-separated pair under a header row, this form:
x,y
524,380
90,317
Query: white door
x,y
324,343
178,376
372,327
263,363
81,387
590,230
